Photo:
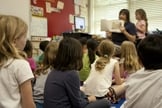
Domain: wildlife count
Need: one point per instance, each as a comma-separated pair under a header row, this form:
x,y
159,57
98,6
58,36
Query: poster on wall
x,y
39,26
78,2
37,11
77,10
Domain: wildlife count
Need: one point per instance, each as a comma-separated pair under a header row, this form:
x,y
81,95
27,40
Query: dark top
x,y
62,90
118,38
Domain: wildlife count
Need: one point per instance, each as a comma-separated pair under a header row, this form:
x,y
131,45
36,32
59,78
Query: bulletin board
x,y
39,26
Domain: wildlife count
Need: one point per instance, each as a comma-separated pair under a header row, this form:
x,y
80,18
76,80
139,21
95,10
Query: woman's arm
x,y
26,95
128,35
109,35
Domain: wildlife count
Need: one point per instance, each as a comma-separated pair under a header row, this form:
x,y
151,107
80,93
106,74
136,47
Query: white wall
x,y
20,8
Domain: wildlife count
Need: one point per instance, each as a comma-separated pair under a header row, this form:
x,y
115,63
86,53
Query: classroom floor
x,y
118,105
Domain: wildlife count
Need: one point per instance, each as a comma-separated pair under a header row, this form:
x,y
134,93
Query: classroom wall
x,y
58,22
20,8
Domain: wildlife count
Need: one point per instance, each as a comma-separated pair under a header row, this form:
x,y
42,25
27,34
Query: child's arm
x,y
117,77
122,74
26,95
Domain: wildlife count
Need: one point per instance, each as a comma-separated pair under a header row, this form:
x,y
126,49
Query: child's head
x,y
69,56
117,52
124,15
92,46
28,48
128,49
50,53
13,32
129,53
83,42
150,52
43,45
106,50
141,14
49,58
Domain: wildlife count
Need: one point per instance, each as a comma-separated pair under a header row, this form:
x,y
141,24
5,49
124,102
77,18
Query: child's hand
x,y
82,88
91,98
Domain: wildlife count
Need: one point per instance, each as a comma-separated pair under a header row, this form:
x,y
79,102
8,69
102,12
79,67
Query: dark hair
x,y
43,45
125,12
143,15
150,52
92,48
69,56
83,41
28,48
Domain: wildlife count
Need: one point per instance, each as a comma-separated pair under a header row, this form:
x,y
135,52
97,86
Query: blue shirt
x,y
62,90
118,38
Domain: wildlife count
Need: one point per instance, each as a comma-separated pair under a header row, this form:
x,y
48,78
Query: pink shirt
x,y
139,24
32,63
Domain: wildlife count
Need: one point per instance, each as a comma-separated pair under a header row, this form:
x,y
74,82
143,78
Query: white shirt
x,y
97,82
144,89
38,89
12,75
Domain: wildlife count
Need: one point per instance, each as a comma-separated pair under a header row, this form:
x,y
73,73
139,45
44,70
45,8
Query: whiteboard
x,y
39,26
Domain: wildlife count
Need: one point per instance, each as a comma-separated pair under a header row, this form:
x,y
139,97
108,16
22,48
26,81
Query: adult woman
x,y
128,32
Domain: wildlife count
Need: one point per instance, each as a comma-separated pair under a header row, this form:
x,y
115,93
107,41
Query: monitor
x,y
79,23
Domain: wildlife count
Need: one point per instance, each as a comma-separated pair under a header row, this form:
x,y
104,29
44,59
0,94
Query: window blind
x,y
107,9
153,10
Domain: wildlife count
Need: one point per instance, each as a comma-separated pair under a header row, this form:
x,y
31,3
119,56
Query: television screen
x,y
79,23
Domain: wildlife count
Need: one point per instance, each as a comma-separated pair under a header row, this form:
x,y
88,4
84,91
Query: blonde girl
x,y
129,62
42,73
99,81
15,72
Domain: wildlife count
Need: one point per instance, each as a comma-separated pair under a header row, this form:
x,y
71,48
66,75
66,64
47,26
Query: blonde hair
x,y
52,47
106,50
129,53
11,28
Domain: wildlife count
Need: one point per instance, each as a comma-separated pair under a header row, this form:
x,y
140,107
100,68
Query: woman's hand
x,y
122,29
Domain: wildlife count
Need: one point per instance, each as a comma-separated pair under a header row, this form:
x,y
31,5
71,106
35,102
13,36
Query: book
x,y
111,25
